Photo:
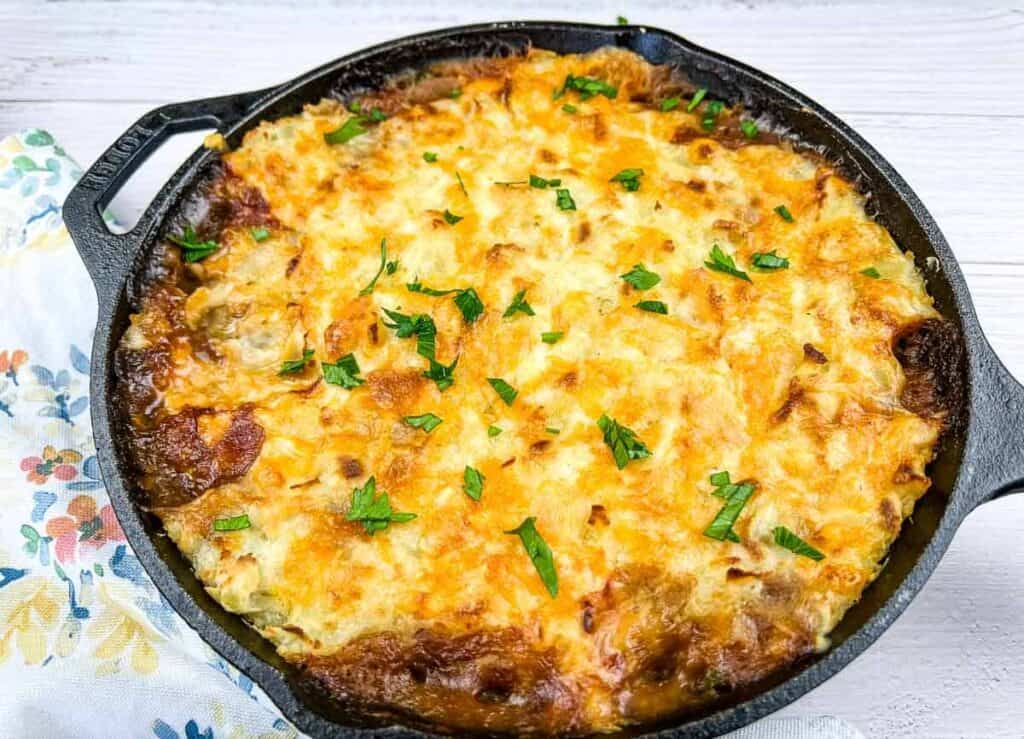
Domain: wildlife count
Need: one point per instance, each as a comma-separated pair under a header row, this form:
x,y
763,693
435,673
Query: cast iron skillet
x,y
982,460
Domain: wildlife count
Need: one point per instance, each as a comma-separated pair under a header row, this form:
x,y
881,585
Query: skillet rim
x,y
274,681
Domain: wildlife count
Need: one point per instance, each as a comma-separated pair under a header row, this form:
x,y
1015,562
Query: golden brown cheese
x,y
788,380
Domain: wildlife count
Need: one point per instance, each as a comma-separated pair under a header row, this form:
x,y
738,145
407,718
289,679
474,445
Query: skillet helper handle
x,y
107,255
995,444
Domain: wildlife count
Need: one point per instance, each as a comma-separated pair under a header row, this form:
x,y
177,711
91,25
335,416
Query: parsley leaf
x,y
711,112
462,185
420,325
473,482
259,234
641,278
622,20
622,441
192,249
469,303
630,178
551,337
372,511
344,372
430,156
721,527
493,431
784,213
450,218
441,373
519,305
540,183
788,540
503,389
235,523
695,100
718,479
871,272
294,366
564,200
357,125
653,306
749,129
428,422
769,260
456,92
552,430
539,553
569,108
587,87
466,299
722,262
670,104
385,266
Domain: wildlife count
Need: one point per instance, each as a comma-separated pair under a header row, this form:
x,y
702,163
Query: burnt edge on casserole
x,y
493,680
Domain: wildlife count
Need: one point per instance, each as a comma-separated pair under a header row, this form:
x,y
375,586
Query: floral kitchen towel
x,y
88,647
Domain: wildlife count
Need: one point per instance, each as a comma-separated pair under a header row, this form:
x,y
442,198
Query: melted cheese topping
x,y
719,383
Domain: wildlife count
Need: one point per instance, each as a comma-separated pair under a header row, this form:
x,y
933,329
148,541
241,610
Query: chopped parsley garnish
x,y
725,488
769,260
503,389
622,441
450,218
539,553
441,373
235,523
354,126
871,272
192,249
540,183
551,337
722,262
294,366
788,540
670,104
622,20
455,93
630,178
519,305
344,372
473,482
695,100
569,108
587,87
420,325
552,430
652,306
493,431
354,106
259,234
711,113
428,422
469,303
385,266
749,129
564,200
721,527
430,156
462,185
784,213
466,299
372,511
641,278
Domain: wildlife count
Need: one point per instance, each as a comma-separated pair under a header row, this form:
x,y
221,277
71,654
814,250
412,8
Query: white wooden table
x,y
940,91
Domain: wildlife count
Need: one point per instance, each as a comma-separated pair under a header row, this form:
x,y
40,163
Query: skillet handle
x,y
107,255
994,456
